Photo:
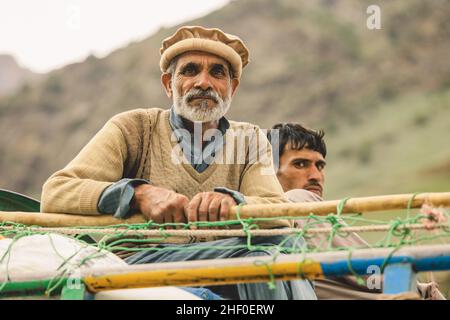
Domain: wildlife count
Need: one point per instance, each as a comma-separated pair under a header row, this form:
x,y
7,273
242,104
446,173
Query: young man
x,y
301,160
300,169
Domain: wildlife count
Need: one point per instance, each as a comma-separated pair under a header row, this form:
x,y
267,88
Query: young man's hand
x,y
209,206
159,204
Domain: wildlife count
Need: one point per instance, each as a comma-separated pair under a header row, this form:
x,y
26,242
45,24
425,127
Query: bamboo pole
x,y
65,220
177,234
363,204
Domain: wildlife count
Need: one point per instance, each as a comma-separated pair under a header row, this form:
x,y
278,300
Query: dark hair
x,y
298,138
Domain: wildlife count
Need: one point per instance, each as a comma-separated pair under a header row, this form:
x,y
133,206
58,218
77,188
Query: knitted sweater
x,y
140,144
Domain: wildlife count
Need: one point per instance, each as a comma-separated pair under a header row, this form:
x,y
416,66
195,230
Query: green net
x,y
332,232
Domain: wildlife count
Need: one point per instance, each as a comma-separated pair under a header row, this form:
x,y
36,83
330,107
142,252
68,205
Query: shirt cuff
x,y
116,199
236,195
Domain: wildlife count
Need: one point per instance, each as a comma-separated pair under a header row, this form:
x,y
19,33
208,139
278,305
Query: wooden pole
x,y
258,269
177,235
364,204
249,269
65,220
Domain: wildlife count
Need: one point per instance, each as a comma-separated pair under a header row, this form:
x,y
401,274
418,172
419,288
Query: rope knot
x,y
395,225
332,219
432,216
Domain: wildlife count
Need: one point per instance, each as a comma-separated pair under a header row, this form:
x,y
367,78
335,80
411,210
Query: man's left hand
x,y
209,206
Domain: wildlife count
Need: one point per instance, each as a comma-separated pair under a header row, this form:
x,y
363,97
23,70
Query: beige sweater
x,y
139,144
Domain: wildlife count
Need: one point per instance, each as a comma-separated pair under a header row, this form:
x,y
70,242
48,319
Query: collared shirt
x,y
116,199
198,156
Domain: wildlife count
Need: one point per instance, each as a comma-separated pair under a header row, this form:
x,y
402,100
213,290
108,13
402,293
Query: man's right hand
x,y
159,204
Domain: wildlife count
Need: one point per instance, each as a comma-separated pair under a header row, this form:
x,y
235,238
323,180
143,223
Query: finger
x,y
214,209
204,207
180,219
156,215
179,215
225,206
147,214
192,209
168,217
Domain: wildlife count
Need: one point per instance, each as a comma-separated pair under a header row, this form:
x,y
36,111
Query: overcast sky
x,y
47,34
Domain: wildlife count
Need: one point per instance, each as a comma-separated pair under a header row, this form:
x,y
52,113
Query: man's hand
x,y
209,206
159,204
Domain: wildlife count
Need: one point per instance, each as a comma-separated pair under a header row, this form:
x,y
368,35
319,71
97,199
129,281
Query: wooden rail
x,y
363,204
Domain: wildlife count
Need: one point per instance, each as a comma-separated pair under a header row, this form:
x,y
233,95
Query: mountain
x,y
12,76
381,95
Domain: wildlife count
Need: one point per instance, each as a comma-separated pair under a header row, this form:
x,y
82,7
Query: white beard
x,y
201,113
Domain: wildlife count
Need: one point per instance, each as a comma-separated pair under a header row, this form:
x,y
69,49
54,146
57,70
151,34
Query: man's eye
x,y
301,164
218,72
321,166
189,70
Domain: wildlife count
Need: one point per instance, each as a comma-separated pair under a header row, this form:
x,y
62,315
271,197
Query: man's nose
x,y
315,174
203,81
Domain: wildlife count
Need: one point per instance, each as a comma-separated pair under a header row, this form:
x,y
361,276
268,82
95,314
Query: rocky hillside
x,y
12,75
382,95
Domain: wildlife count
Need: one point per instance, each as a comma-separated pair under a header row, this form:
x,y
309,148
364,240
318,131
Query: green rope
x,y
398,236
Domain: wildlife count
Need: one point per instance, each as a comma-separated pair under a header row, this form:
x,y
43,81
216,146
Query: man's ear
x,y
166,80
234,85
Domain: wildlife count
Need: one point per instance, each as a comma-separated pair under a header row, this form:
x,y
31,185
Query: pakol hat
x,y
215,41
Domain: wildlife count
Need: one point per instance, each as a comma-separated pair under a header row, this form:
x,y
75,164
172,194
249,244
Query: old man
x,y
134,164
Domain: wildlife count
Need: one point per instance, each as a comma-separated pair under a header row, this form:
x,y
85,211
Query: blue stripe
x,y
360,266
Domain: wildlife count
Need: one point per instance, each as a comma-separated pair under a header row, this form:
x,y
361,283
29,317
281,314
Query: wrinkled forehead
x,y
201,58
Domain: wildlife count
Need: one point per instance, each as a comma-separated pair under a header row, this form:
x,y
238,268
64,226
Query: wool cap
x,y
197,38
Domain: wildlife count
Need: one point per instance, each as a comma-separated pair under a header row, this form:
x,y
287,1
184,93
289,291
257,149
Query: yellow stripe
x,y
205,276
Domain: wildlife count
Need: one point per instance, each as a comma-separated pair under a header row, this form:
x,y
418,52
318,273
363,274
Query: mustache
x,y
203,94
313,183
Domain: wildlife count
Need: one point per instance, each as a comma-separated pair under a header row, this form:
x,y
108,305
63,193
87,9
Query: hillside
x,y
12,75
382,96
